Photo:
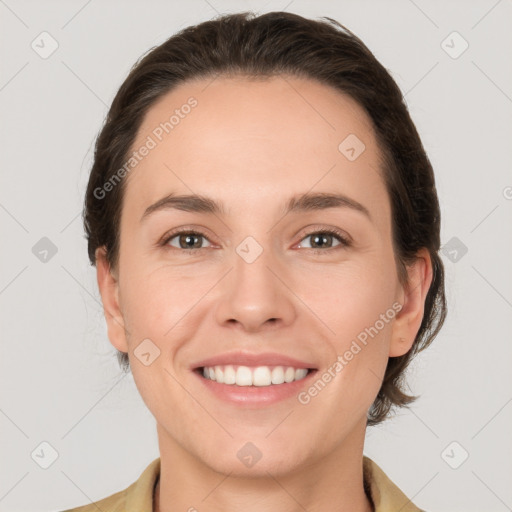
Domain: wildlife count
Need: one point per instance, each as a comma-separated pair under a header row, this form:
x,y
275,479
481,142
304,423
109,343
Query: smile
x,y
254,387
235,375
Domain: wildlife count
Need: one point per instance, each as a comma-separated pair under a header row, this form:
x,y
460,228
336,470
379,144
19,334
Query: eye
x,y
323,240
185,240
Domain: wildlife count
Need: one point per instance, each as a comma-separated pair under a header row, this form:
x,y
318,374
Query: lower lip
x,y
256,395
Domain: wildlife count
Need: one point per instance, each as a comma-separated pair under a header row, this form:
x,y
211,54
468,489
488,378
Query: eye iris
x,y
186,239
323,237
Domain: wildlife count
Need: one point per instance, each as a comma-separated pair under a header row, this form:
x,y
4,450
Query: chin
x,y
254,458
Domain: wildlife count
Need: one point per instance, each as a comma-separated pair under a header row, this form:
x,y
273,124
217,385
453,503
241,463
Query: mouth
x,y
253,380
253,376
254,387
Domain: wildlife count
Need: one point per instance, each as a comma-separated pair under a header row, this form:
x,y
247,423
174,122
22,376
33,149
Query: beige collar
x,y
386,496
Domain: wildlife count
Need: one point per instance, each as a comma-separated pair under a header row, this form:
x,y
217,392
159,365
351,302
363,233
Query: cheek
x,y
354,295
359,310
356,303
166,306
154,298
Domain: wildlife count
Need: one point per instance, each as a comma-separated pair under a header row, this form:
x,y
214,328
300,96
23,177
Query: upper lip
x,y
251,359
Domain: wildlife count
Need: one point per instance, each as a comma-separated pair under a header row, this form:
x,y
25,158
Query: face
x,y
254,283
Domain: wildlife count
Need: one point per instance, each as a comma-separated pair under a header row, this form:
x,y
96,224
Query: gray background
x,y
60,382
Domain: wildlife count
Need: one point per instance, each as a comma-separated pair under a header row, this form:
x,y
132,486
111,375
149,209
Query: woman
x,y
265,226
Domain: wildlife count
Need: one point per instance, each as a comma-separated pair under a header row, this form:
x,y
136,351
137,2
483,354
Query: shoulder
x,y
114,503
386,496
138,497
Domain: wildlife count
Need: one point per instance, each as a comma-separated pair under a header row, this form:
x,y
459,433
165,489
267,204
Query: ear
x,y
109,291
412,297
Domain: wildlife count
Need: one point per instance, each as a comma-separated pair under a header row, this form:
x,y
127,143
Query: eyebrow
x,y
296,204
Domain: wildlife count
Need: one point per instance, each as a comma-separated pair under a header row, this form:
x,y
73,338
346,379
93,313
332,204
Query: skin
x,y
252,145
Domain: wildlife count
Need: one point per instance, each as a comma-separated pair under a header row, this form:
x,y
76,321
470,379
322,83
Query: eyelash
x,y
344,241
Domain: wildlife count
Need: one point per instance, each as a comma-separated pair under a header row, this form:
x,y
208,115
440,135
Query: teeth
x,y
300,373
262,376
278,375
229,375
253,376
243,376
289,374
219,374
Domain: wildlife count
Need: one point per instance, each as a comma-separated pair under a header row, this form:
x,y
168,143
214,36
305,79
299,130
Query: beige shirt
x,y
138,497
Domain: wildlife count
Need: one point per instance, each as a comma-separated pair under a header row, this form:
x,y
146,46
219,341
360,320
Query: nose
x,y
256,295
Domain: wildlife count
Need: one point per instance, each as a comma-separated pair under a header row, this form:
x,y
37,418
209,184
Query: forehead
x,y
236,137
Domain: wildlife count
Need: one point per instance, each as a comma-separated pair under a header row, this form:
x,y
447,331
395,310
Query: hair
x,y
266,46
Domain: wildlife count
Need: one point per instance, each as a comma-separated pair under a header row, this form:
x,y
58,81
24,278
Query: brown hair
x,y
264,46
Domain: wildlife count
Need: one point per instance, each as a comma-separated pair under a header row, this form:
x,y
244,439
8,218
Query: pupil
x,y
320,237
188,238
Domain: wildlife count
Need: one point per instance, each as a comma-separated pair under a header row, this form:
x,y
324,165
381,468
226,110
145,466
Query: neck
x,y
332,482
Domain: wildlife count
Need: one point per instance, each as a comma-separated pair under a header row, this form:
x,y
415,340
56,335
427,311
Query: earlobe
x,y
109,290
400,346
408,320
